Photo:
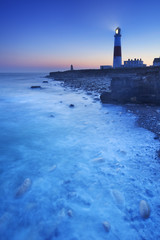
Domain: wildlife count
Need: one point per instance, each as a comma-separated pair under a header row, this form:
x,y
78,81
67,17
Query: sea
x,y
72,168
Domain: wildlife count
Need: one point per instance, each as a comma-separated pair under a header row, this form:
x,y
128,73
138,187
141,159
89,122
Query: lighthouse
x,y
117,59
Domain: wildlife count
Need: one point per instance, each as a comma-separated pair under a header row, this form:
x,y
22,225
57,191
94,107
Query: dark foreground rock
x,y
36,87
140,89
71,105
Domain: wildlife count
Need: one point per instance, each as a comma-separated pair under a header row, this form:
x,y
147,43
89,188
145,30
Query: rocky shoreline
x,y
148,115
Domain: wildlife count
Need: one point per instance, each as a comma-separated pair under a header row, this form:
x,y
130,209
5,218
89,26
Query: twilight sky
x,y
45,35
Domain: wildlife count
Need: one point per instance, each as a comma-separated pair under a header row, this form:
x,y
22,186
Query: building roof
x,y
157,60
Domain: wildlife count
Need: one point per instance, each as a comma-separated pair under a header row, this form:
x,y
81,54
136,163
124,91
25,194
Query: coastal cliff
x,y
139,88
121,85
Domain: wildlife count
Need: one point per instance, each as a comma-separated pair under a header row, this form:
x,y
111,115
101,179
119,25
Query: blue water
x,y
84,166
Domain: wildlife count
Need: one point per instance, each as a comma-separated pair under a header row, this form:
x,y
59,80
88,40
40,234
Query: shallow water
x,y
86,165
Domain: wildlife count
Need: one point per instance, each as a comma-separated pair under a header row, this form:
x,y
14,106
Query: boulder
x,y
144,209
71,105
24,187
118,197
106,226
52,168
52,116
70,213
100,160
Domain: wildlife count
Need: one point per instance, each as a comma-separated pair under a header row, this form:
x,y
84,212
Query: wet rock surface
x,y
71,105
144,209
148,117
134,89
90,85
24,187
107,226
118,197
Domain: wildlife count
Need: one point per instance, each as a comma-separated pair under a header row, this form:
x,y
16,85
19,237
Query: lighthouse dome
x,y
118,31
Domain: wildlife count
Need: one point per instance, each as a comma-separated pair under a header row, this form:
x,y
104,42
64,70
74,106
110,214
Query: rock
x,y
96,99
24,187
106,226
70,213
144,209
98,160
71,105
35,86
51,169
118,197
156,137
45,81
62,213
52,116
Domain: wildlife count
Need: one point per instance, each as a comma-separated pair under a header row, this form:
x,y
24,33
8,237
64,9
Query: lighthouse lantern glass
x,y
117,30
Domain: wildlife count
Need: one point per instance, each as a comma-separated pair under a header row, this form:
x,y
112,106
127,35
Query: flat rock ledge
x,y
138,89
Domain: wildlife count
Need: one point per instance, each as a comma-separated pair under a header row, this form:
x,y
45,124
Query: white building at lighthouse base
x,y
134,63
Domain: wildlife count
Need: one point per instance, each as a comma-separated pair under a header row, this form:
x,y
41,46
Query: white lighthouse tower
x,y
117,58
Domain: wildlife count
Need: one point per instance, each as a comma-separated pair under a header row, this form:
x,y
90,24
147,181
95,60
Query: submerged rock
x,y
96,99
156,137
71,105
144,209
52,168
36,87
24,187
70,213
100,160
118,197
106,226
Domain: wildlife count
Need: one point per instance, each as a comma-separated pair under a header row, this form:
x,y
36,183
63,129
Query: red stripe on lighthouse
x,y
117,51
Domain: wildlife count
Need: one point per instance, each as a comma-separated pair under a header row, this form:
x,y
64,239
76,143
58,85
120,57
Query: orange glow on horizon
x,y
88,61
